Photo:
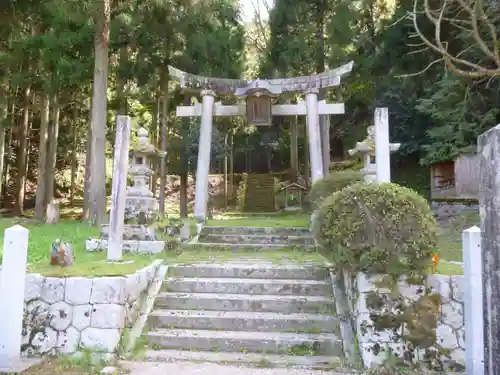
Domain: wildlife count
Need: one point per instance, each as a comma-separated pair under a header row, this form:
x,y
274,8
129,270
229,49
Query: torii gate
x,y
259,111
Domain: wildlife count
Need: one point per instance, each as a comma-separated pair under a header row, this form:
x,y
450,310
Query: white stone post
x,y
12,280
203,166
473,301
313,135
119,188
382,147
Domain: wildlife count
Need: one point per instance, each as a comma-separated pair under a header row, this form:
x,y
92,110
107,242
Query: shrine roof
x,y
225,86
293,185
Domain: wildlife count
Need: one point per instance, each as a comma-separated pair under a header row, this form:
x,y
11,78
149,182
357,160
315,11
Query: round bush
x,y
331,183
376,228
349,164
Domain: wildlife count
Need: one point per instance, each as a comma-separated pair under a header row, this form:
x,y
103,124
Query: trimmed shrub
x,y
376,228
331,183
349,164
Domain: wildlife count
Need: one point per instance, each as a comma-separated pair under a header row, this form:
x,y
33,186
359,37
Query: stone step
x,y
245,302
247,286
240,246
250,271
252,359
243,342
242,321
276,231
256,239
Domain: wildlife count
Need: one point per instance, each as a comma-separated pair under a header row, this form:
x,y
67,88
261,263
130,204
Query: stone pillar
x,y
294,149
324,125
313,135
473,301
119,188
489,206
382,147
203,166
12,282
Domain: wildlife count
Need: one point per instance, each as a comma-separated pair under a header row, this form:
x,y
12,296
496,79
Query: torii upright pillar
x,y
204,149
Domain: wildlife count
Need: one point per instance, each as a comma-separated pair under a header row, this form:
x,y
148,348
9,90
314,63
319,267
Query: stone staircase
x,y
256,238
259,193
262,314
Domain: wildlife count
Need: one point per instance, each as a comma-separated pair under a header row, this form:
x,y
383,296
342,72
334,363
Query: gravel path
x,y
186,368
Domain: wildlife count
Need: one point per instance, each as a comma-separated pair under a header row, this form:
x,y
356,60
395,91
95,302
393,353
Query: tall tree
x,y
97,171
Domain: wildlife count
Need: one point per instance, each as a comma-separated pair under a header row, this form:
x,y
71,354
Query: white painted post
x,y
382,147
473,301
12,280
203,165
119,188
313,135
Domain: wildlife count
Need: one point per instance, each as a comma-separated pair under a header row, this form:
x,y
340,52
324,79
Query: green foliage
x,y
330,184
376,228
461,113
352,164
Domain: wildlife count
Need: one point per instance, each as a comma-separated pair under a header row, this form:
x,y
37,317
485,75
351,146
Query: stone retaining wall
x,y
375,344
65,315
446,209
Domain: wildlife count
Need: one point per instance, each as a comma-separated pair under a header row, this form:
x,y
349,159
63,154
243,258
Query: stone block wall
x,y
375,343
65,315
446,209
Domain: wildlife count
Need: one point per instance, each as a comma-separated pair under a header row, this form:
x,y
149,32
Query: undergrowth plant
x,y
331,183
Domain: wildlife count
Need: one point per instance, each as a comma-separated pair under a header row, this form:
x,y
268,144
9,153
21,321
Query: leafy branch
x,y
469,17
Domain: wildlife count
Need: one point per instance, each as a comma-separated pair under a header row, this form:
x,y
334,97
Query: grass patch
x,y
42,236
63,366
274,221
445,268
450,235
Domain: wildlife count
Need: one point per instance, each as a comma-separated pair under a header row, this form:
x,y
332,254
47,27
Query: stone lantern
x,y
367,149
140,200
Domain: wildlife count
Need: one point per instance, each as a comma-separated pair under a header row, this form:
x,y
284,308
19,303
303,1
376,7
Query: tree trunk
x,y
97,185
294,149
121,83
183,200
28,151
163,147
52,150
74,159
226,169
231,161
86,182
10,148
3,125
22,141
40,204
156,112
